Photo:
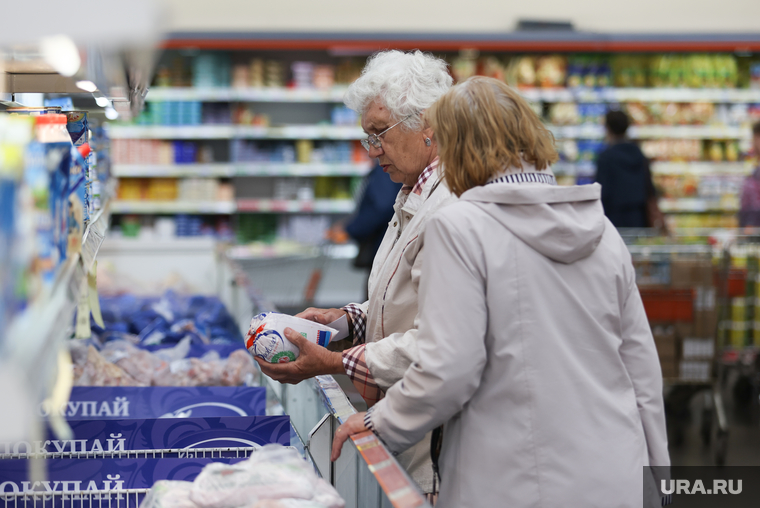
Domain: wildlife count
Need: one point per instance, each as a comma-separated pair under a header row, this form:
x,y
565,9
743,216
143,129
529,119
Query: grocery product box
x,y
705,323
666,341
685,273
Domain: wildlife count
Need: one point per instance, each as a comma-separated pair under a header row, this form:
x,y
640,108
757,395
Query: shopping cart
x,y
739,330
321,276
682,295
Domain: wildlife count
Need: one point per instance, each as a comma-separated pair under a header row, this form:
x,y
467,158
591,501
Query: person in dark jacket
x,y
370,220
749,213
367,226
623,171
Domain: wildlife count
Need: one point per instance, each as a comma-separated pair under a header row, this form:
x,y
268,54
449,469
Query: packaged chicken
x,y
266,336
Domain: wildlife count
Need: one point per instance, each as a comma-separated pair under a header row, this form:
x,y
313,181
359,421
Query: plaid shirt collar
x,y
423,178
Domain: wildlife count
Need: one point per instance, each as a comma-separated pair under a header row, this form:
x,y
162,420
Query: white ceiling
x,y
696,16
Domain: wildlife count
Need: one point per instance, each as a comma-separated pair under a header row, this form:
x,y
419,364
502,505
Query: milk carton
x,y
266,336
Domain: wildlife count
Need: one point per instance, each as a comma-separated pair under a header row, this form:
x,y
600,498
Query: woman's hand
x,y
354,425
313,360
322,316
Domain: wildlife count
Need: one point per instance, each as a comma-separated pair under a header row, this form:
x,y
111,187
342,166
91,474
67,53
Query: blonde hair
x,y
483,127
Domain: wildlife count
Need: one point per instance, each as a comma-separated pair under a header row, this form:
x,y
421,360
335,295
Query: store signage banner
x,y
174,433
121,402
91,476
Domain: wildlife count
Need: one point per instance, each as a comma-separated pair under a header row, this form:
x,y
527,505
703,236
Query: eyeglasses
x,y
374,139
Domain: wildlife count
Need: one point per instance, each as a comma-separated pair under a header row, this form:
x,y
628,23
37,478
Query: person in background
x,y
749,211
534,349
391,95
622,169
368,224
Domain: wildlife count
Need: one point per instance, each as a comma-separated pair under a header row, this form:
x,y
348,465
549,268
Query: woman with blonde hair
x,y
534,350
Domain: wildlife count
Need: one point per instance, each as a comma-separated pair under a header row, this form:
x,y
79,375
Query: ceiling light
x,y
87,86
60,52
111,113
102,101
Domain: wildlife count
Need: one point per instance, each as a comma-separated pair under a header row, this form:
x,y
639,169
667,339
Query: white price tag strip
x,y
340,324
93,299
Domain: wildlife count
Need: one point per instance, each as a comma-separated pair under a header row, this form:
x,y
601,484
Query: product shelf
x,y
245,94
337,132
717,95
296,206
35,335
224,170
173,207
699,205
702,168
593,131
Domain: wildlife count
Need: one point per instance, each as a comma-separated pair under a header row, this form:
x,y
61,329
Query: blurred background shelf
x,y
173,207
289,206
235,132
226,170
245,94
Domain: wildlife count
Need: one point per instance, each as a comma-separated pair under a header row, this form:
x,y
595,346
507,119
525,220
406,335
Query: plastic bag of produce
x,y
266,336
169,494
272,473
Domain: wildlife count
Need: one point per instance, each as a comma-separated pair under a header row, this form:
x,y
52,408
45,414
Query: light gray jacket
x,y
392,306
534,351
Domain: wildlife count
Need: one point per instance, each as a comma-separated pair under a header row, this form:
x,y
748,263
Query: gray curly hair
x,y
406,83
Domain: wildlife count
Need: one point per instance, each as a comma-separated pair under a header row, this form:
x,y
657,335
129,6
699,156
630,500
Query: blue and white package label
x,y
120,402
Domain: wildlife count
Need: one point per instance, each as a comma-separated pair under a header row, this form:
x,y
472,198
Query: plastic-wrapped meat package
x,y
204,371
273,473
99,372
239,369
169,494
138,363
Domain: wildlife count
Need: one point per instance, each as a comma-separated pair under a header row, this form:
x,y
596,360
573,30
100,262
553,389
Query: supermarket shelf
x,y
230,207
641,95
35,336
702,168
289,206
173,207
262,251
240,169
153,245
235,132
592,131
246,94
698,205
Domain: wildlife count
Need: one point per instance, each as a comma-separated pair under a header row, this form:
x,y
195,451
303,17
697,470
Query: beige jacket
x,y
392,306
536,353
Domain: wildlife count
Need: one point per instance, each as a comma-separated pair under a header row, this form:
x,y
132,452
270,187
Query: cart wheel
x,y
721,447
706,427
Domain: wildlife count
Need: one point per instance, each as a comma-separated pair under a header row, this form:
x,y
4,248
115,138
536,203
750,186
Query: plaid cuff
x,y
368,419
358,323
356,369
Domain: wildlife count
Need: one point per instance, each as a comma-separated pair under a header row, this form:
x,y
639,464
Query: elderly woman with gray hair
x,y
392,94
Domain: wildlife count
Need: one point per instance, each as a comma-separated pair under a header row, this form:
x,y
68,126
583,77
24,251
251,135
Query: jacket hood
x,y
564,224
625,155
